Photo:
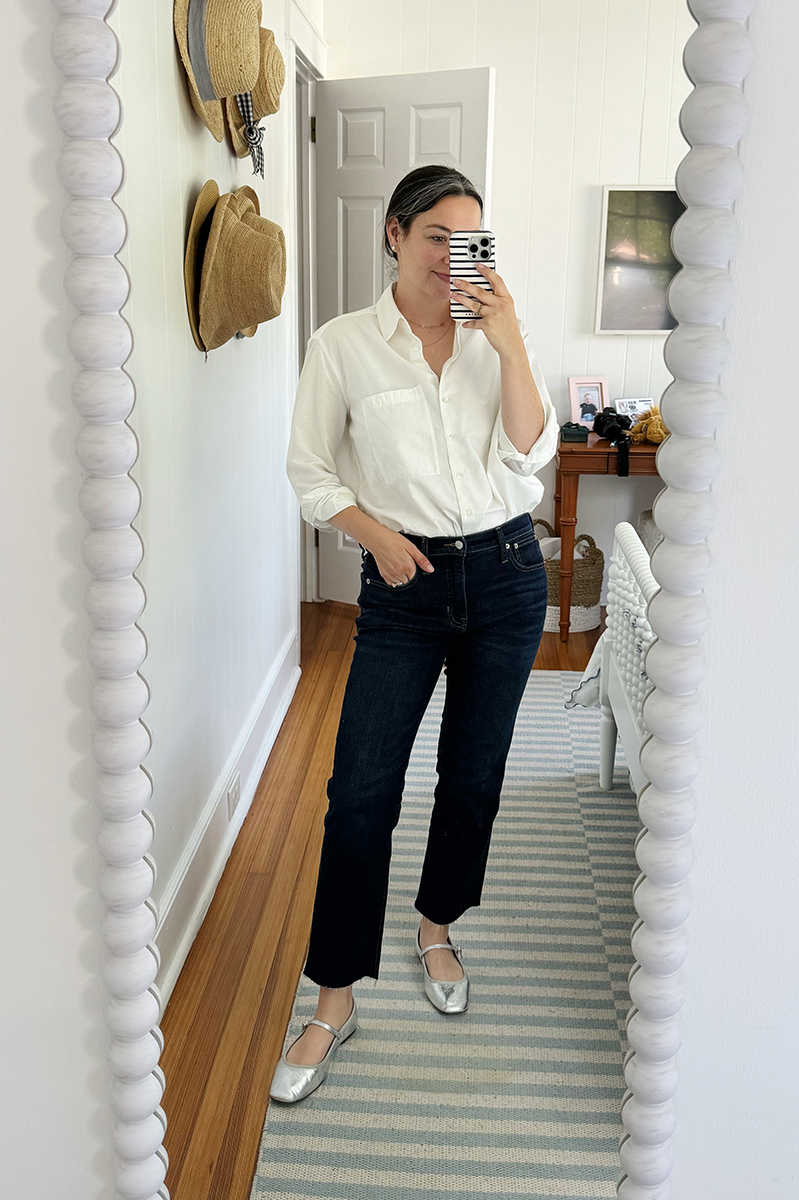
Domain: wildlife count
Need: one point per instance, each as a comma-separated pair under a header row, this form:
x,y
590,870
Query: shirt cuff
x,y
539,453
317,510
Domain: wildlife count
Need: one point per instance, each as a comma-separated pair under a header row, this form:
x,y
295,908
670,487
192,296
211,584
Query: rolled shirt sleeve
x,y
317,427
543,449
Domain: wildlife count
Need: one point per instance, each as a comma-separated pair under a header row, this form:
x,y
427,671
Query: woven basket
x,y
588,569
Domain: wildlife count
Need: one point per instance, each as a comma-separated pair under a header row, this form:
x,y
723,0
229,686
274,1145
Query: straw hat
x,y
199,228
265,94
246,200
239,258
220,47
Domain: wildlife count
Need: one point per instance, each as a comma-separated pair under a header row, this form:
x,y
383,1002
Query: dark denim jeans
x,y
480,615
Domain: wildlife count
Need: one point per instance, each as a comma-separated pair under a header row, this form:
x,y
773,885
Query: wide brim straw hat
x,y
199,228
220,47
244,199
265,94
244,272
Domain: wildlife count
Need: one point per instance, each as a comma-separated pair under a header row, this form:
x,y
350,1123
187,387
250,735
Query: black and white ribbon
x,y
253,134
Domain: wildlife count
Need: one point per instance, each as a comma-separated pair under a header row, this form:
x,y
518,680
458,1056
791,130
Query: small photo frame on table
x,y
633,407
588,395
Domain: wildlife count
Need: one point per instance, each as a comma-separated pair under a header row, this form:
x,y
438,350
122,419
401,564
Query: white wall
x,y
587,94
220,527
219,519
739,1097
54,1129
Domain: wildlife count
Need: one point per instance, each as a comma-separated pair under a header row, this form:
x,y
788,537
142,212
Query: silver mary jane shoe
x,y
294,1081
447,995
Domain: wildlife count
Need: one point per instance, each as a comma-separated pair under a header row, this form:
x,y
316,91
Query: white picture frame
x,y
643,278
633,407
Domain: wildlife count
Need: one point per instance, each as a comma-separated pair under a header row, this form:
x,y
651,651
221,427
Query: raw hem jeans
x,y
480,616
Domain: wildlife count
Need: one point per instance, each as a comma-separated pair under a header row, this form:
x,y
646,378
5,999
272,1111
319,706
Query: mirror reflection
x,y
412,977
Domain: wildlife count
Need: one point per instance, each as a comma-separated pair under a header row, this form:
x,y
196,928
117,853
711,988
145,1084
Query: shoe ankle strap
x,y
315,1021
441,946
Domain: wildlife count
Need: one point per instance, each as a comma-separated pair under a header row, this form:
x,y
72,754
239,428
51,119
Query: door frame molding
x,y
305,76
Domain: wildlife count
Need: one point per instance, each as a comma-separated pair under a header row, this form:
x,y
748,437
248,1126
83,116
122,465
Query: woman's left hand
x,y
497,316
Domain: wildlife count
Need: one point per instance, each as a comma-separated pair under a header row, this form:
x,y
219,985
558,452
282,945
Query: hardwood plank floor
x,y
227,1016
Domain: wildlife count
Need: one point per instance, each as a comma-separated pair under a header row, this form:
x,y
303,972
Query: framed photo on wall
x,y
588,395
636,263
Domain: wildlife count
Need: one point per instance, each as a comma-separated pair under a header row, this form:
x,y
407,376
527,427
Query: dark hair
x,y
419,190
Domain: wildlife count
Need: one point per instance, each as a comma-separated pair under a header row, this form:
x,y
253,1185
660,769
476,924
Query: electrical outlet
x,y
233,795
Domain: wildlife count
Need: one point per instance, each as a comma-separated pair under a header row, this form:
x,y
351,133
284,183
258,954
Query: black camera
x,y
612,426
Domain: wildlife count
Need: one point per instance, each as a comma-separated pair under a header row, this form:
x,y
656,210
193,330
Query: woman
x,y
419,437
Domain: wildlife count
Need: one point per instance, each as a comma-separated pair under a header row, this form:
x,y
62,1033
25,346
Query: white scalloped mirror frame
x,y
717,58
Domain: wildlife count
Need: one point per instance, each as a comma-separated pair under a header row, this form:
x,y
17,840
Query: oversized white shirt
x,y
374,427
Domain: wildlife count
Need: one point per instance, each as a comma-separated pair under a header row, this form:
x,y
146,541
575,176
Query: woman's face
x,y
423,253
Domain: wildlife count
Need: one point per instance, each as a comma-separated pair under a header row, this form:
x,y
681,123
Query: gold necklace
x,y
421,326
438,339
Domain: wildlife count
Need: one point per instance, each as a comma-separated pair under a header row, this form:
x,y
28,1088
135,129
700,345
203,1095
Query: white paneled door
x,y
369,134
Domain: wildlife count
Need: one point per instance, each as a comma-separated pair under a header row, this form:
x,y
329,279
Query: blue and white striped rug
x,y
520,1095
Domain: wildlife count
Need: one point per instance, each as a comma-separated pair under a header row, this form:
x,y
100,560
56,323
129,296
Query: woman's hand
x,y
498,319
397,557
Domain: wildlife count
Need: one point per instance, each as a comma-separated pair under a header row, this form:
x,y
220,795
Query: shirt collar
x,y
389,316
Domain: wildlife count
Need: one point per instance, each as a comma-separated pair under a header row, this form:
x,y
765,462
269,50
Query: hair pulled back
x,y
419,190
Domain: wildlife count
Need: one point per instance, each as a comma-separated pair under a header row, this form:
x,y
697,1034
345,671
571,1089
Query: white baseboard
x,y
190,891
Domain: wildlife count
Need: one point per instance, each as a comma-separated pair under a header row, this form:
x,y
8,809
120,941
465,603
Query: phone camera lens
x,y
484,254
484,241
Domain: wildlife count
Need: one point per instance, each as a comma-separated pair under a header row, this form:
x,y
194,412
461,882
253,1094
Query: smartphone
x,y
467,248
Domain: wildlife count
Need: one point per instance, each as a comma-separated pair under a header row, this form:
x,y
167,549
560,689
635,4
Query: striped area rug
x,y
520,1095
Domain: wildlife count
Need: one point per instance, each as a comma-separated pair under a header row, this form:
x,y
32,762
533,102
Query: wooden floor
x,y
228,1013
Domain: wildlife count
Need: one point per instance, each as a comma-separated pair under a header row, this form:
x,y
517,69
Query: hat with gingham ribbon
x,y
265,96
220,47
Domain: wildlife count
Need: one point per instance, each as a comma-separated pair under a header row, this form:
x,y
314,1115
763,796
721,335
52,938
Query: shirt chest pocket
x,y
400,432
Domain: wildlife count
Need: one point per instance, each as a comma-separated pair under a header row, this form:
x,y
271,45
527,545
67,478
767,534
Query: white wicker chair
x,y
623,682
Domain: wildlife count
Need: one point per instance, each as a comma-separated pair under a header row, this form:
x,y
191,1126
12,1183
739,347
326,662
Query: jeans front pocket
x,y
400,432
372,576
525,553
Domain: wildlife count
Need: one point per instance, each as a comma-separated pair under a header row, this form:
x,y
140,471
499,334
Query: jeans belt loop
x,y
503,549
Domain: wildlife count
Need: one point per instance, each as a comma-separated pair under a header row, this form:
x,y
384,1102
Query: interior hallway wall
x,y
218,519
587,94
220,526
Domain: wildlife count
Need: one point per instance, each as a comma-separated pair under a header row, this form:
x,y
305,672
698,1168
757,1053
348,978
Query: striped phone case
x,y
467,247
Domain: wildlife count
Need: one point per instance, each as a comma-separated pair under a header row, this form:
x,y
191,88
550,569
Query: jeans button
x,y
459,544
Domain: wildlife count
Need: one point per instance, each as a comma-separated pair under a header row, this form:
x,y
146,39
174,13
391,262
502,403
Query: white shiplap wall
x,y
588,93
219,520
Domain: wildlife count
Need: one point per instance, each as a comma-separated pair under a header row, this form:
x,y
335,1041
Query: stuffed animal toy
x,y
649,427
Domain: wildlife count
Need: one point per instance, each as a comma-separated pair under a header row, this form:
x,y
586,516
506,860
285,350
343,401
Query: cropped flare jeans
x,y
480,616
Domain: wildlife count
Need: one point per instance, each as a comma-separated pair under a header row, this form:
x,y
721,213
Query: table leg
x,y
558,486
568,520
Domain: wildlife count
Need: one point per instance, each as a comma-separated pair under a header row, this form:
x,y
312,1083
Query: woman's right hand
x,y
397,557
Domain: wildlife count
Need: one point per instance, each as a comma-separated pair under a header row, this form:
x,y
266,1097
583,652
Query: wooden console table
x,y
596,457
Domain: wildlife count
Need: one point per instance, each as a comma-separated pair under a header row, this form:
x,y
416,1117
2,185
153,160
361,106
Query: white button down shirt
x,y
373,426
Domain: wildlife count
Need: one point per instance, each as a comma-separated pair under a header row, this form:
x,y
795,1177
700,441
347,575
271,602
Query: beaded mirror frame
x,y
717,58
